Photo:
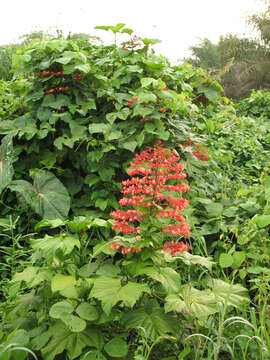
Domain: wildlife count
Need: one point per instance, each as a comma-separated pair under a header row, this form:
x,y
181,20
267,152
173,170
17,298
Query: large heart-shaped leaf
x,y
62,338
109,291
47,196
152,319
6,159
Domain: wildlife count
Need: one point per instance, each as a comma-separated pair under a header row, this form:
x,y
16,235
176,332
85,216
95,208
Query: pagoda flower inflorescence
x,y
150,193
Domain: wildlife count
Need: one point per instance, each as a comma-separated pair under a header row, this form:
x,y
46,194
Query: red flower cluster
x,y
173,247
131,44
77,75
56,89
48,73
125,250
199,152
151,170
132,101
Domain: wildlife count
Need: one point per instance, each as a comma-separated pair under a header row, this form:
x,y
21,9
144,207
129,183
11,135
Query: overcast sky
x,y
178,23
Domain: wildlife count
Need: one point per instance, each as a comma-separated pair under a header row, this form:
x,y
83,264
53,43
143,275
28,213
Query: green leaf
x,y
85,68
49,245
111,117
6,159
47,196
234,295
65,285
168,277
55,102
33,276
239,257
152,319
99,128
262,220
38,342
106,174
109,291
66,58
63,339
116,347
196,303
101,204
87,311
60,308
128,145
147,81
143,111
74,323
214,208
108,269
225,260
115,135
93,355
188,259
43,113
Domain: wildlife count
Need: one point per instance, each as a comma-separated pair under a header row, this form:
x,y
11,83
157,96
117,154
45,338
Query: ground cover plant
x,y
134,208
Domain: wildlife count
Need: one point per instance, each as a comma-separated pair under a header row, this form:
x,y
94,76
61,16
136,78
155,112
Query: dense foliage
x,y
134,207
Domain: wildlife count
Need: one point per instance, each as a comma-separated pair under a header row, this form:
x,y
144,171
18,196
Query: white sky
x,y
178,23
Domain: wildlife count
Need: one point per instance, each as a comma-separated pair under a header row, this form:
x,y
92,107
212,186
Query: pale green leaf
x,y
58,309
87,311
116,347
65,285
64,339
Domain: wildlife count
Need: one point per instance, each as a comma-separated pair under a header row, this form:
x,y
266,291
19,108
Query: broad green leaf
x,y
108,269
262,220
229,294
101,203
54,223
111,117
32,276
188,259
44,113
63,339
225,260
239,257
115,135
140,110
85,68
66,58
214,208
123,114
49,245
106,174
93,355
60,308
87,311
6,159
147,97
196,303
152,319
66,285
47,196
168,277
147,81
55,101
116,347
38,342
99,128
109,291
128,145
74,323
